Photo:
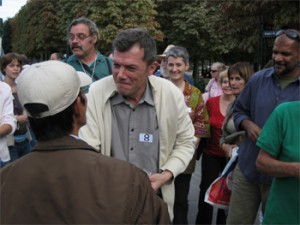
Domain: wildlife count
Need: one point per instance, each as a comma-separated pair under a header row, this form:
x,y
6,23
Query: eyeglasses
x,y
80,37
213,71
291,34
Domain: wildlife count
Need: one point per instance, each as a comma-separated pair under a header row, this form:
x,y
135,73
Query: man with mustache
x,y
140,118
83,36
267,89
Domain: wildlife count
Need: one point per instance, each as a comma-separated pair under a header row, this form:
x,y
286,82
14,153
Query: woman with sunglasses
x,y
213,88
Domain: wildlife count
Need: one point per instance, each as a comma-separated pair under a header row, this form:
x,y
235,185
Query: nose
x,y
277,57
120,73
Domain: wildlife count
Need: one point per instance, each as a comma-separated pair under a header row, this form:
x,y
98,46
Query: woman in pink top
x,y
213,88
213,157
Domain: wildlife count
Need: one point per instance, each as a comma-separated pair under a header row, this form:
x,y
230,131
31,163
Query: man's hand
x,y
22,118
253,130
159,179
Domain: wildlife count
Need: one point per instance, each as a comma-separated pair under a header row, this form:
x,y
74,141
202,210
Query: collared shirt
x,y
101,68
6,117
135,133
259,98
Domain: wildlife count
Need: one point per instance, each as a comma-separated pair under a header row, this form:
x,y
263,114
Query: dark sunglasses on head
x,y
290,33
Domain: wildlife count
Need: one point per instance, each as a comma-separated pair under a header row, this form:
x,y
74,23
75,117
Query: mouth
x,y
76,47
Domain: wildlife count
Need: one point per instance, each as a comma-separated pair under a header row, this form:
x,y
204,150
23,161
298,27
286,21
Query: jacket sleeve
x,y
7,116
91,131
179,131
150,209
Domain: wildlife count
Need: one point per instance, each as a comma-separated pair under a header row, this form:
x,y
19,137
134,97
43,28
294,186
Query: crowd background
x,y
224,31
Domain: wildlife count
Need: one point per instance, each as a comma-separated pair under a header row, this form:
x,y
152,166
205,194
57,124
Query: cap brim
x,y
161,56
85,79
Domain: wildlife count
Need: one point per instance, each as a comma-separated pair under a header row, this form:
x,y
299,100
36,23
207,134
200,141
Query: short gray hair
x,y
178,51
83,20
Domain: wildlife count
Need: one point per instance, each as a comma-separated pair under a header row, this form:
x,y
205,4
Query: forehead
x,y
134,55
234,74
79,28
14,61
285,44
175,59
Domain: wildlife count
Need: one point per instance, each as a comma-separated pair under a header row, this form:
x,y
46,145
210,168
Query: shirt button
x,y
131,149
132,130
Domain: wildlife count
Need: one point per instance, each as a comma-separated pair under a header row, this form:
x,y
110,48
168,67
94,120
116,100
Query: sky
x,y
10,8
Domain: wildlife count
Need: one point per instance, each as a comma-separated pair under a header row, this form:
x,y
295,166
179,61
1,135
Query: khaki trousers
x,y
245,200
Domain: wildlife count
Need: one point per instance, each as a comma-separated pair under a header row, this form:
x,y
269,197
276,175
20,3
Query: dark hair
x,y
178,51
128,38
59,55
8,58
52,127
244,69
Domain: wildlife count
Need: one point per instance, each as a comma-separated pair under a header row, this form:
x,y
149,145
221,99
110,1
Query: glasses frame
x,y
214,71
290,33
73,37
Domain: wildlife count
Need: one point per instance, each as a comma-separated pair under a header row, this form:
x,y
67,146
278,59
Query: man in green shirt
x,y
280,157
83,36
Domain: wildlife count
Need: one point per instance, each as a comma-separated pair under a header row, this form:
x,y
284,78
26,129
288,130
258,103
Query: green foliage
x,y
7,33
210,29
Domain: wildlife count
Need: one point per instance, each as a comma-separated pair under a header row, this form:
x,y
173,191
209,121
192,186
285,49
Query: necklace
x,y
93,72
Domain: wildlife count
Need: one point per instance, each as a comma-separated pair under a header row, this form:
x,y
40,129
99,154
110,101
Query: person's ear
x,y
187,66
152,68
77,107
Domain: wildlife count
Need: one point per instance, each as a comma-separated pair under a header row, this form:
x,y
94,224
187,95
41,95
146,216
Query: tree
x,y
45,32
7,33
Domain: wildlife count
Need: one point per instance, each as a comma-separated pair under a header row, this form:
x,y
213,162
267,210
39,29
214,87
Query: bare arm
x,y
227,148
5,129
268,164
253,130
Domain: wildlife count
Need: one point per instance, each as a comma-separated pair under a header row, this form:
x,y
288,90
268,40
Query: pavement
x,y
194,193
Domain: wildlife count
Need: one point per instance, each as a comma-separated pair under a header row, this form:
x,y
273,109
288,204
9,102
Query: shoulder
x,y
71,58
288,107
163,85
4,86
103,57
103,85
195,90
262,74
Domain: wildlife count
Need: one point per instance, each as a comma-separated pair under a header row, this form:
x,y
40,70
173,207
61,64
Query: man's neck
x,y
90,58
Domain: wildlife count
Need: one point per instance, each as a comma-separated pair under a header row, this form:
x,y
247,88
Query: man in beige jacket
x,y
140,118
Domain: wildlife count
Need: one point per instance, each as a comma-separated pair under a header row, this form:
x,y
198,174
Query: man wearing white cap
x,y
63,179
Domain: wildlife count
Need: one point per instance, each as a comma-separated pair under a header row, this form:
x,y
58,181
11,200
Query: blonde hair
x,y
219,66
223,74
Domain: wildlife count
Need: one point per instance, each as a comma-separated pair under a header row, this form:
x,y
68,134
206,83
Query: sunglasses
x,y
213,71
291,34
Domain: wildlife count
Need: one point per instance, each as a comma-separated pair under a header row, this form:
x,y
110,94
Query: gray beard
x,y
163,72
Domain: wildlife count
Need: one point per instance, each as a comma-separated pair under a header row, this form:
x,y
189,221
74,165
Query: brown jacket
x,y
65,181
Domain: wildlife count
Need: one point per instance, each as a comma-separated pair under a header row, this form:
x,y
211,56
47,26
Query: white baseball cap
x,y
52,83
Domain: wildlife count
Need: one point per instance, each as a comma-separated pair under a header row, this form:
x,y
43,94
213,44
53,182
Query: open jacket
x,y
176,131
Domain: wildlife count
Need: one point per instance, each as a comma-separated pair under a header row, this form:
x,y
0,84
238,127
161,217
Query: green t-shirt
x,y
280,138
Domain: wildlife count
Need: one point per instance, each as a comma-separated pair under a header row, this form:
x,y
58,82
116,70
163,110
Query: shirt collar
x,y
147,97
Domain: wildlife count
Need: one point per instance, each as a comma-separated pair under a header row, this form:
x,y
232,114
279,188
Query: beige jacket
x,y
175,126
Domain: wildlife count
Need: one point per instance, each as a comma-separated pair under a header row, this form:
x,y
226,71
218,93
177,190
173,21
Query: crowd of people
x,y
102,140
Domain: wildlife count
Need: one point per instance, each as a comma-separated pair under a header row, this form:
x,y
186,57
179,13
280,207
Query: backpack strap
x,y
108,66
